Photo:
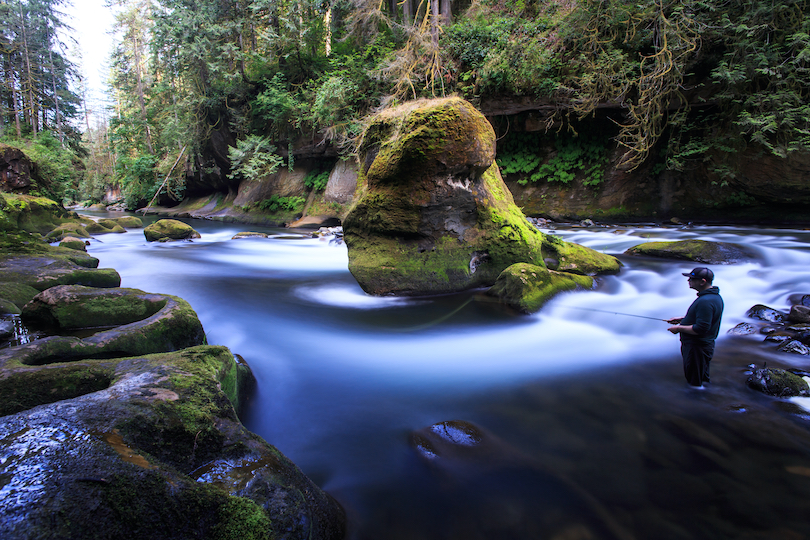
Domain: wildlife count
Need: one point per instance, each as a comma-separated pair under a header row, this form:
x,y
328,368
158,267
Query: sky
x,y
92,23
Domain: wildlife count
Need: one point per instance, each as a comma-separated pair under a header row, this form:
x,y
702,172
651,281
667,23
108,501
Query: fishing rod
x,y
616,313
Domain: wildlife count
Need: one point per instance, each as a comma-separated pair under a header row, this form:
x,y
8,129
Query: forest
x,y
224,90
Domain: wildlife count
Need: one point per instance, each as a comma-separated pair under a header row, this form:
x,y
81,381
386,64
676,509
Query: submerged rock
x,y
434,215
778,382
526,287
799,313
694,250
248,234
147,447
169,229
743,329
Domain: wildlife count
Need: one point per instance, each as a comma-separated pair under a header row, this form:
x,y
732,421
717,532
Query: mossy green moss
x,y
169,229
526,287
24,389
76,306
17,293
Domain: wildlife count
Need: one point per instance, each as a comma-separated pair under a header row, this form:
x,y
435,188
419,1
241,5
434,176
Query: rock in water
x,y
777,382
169,229
434,215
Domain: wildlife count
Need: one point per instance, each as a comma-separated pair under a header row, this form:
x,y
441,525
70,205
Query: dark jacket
x,y
704,316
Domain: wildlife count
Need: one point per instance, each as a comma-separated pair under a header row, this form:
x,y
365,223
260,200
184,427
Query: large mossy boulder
x,y
169,229
702,251
434,215
526,287
31,214
147,447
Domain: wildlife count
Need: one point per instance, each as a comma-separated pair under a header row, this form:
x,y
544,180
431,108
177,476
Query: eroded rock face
x,y
434,215
147,447
694,250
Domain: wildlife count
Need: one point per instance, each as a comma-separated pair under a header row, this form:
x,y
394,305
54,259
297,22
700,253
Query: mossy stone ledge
x,y
434,215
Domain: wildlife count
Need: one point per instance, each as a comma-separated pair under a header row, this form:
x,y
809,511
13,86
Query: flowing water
x,y
591,430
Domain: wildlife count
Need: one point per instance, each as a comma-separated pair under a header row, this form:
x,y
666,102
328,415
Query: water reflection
x,y
596,397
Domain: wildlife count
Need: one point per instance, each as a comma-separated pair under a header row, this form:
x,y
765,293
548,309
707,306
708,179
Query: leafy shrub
x,y
316,180
253,157
520,154
277,203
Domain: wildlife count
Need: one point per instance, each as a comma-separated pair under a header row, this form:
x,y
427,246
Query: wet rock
x,y
42,272
99,228
799,313
778,382
434,215
149,447
526,287
248,234
17,293
767,314
743,329
794,347
169,229
779,337
76,306
701,251
128,222
68,230
801,299
71,242
161,323
9,308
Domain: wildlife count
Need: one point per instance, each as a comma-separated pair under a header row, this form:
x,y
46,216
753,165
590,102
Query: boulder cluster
x,y
119,420
789,330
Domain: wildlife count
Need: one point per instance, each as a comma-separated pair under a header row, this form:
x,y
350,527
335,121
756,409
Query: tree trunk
x,y
447,12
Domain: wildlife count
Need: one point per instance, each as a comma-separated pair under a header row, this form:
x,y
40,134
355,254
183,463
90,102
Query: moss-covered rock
x,y
169,229
71,242
17,293
434,215
76,306
702,251
778,382
99,228
162,323
56,268
31,214
249,234
147,447
526,287
69,229
128,222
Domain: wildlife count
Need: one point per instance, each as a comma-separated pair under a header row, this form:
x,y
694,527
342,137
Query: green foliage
x,y
317,179
138,180
277,203
58,166
253,158
522,154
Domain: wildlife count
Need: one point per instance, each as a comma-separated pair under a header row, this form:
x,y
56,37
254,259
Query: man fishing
x,y
699,327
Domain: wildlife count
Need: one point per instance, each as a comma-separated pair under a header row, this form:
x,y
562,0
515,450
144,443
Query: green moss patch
x,y
526,287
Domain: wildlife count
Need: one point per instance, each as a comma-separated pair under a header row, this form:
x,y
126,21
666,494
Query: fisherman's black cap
x,y
701,273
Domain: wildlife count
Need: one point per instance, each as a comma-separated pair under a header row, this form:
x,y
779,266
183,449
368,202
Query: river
x,y
587,412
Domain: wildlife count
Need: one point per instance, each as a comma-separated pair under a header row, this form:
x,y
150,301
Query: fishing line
x,y
615,313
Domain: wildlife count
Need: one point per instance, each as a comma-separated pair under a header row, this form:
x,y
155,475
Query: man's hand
x,y
675,320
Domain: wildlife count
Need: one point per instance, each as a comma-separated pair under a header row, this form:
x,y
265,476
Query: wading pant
x,y
696,358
